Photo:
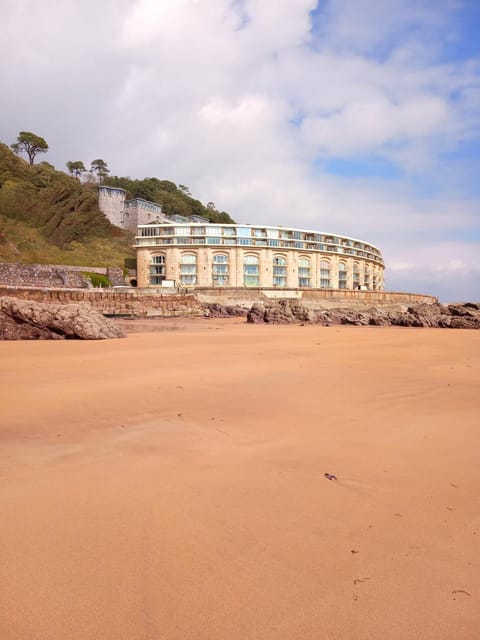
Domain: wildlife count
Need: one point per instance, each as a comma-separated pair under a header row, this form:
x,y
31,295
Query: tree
x,y
100,168
30,144
76,168
185,190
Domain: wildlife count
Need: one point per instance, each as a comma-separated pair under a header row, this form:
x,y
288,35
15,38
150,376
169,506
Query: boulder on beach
x,y
28,320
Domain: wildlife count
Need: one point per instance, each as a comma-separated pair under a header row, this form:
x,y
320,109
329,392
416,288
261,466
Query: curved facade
x,y
234,255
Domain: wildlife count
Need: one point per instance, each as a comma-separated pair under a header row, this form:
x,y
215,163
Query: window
x,y
272,233
214,231
148,231
157,270
324,274
356,275
244,232
367,278
220,270
188,269
182,231
279,271
303,272
251,271
342,275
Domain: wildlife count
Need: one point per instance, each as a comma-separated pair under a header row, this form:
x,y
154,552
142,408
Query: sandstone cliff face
x,y
455,316
27,320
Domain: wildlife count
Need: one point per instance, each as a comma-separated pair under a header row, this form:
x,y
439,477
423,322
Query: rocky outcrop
x,y
455,316
27,320
214,310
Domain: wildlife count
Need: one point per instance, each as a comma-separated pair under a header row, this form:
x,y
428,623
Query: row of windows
x,y
252,242
252,233
251,274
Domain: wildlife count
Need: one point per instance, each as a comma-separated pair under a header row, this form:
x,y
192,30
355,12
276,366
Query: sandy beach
x,y
170,485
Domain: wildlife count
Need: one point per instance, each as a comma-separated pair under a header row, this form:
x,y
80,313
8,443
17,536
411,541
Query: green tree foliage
x,y
100,168
97,279
29,143
174,200
63,209
76,168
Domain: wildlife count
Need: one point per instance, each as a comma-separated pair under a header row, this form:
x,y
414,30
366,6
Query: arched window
x,y
220,270
342,275
325,274
279,271
303,272
251,276
157,269
356,275
188,269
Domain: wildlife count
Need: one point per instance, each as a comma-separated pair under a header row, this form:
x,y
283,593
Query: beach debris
x,y
353,551
454,485
455,591
357,580
330,476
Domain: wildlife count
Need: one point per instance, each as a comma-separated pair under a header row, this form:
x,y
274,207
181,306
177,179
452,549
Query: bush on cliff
x,y
97,279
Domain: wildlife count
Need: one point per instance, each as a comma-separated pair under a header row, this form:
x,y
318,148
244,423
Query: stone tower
x,y
111,202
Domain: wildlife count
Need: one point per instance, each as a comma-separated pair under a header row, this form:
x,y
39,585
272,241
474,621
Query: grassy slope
x,y
48,217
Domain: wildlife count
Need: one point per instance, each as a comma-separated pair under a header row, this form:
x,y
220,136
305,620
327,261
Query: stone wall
x,y
111,302
314,298
54,275
144,303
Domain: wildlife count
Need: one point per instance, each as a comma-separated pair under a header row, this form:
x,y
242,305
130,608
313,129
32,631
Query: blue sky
x,y
357,117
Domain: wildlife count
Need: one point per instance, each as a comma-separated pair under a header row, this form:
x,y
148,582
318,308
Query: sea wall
x,y
54,275
315,298
147,302
112,302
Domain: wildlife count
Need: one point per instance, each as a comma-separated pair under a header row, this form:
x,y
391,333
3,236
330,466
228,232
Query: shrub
x,y
97,279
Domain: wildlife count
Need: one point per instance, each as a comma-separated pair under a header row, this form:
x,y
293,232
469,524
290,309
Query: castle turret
x,y
111,202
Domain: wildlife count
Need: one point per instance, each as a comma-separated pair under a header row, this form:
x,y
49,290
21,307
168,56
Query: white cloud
x,y
246,101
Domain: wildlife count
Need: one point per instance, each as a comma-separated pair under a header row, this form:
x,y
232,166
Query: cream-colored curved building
x,y
234,255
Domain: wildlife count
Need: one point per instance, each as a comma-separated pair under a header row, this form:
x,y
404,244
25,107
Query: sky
x,y
358,118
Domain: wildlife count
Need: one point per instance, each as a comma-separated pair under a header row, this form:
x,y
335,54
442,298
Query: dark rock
x,y
27,320
215,310
458,316
256,313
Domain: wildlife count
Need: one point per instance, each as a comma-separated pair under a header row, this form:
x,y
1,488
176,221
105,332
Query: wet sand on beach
x,y
170,486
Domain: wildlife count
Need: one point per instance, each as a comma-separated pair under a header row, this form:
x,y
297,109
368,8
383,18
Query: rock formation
x,y
215,310
27,320
455,316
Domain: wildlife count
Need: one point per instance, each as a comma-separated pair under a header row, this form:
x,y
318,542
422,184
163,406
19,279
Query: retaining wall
x,y
111,302
143,303
53,275
320,298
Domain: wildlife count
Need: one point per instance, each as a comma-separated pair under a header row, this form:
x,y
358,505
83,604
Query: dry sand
x,y
171,486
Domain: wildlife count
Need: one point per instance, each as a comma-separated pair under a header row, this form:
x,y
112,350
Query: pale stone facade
x,y
214,255
128,214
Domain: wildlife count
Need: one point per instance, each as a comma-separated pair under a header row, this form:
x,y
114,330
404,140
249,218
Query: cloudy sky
x,y
357,117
